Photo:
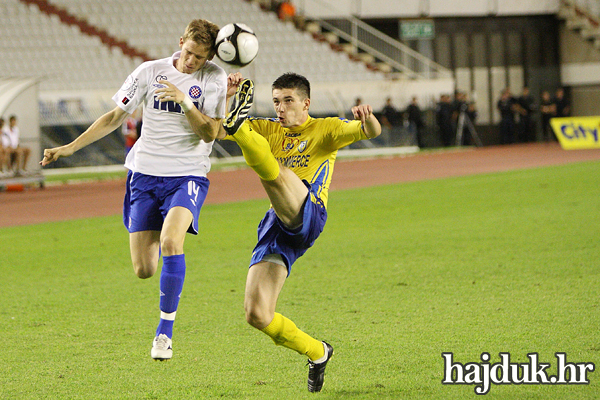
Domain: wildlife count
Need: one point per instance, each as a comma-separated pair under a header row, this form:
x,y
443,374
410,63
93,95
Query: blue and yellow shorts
x,y
275,238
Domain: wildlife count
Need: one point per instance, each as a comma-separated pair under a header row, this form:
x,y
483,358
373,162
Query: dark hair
x,y
291,80
202,32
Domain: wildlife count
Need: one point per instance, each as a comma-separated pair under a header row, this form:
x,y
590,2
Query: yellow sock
x,y
285,333
257,153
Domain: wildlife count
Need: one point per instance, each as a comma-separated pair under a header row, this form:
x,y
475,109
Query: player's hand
x,y
362,112
169,93
51,155
233,81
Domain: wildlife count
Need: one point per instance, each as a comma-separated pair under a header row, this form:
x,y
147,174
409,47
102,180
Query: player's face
x,y
193,56
291,108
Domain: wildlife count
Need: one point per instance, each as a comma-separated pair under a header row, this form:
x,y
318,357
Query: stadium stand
x,y
82,50
74,60
39,45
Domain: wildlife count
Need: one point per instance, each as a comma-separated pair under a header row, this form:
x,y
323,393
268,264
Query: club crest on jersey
x,y
302,146
288,144
195,92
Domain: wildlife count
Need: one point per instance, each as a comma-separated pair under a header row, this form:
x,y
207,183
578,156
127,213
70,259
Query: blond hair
x,y
202,32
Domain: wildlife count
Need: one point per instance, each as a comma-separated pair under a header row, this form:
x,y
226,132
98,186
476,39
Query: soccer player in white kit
x,y
183,100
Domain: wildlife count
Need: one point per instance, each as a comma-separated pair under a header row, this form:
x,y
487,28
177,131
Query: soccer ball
x,y
237,44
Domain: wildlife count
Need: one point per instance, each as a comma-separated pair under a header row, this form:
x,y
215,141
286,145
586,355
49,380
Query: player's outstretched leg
x,y
316,370
242,101
255,148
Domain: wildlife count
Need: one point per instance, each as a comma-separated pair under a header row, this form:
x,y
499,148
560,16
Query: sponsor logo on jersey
x,y
169,106
195,92
295,161
125,100
127,84
290,134
160,78
133,88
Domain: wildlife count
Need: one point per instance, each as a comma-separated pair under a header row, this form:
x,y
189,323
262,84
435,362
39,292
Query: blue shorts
x,y
148,199
275,238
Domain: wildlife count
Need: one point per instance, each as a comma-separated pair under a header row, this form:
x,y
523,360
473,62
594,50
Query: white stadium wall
x,y
421,8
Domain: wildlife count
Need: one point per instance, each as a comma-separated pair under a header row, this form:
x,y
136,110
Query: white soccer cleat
x,y
162,348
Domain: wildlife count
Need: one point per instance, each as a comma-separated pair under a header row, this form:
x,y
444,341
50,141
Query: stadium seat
x,y
148,32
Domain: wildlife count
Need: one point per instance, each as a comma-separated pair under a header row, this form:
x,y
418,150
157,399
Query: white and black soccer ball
x,y
237,44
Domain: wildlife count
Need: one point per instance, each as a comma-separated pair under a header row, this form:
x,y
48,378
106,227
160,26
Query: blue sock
x,y
171,284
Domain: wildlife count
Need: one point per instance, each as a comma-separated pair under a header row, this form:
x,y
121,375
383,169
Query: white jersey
x,y
10,137
167,145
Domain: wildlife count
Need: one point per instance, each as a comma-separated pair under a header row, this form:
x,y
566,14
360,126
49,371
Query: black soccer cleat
x,y
242,102
316,372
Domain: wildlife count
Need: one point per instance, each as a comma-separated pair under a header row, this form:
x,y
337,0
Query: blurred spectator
x,y
415,117
5,153
140,122
547,111
390,115
563,107
507,106
19,154
443,113
286,11
130,131
525,106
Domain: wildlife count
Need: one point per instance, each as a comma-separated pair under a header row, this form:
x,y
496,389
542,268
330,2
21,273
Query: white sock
x,y
324,358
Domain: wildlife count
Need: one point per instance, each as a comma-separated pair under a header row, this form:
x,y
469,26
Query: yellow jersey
x,y
310,149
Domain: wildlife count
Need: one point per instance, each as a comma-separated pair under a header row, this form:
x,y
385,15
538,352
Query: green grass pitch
x,y
505,262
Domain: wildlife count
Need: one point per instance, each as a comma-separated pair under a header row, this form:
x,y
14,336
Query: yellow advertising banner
x,y
577,132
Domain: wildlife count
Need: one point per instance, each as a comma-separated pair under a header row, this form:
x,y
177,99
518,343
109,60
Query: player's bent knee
x,y
257,318
171,246
143,271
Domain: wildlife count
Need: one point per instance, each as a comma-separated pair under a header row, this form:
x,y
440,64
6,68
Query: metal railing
x,y
365,38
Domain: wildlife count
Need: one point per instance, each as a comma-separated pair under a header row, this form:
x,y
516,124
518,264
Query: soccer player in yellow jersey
x,y
294,156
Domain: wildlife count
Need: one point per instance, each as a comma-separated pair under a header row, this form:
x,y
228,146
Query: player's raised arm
x,y
371,125
205,127
233,81
100,128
